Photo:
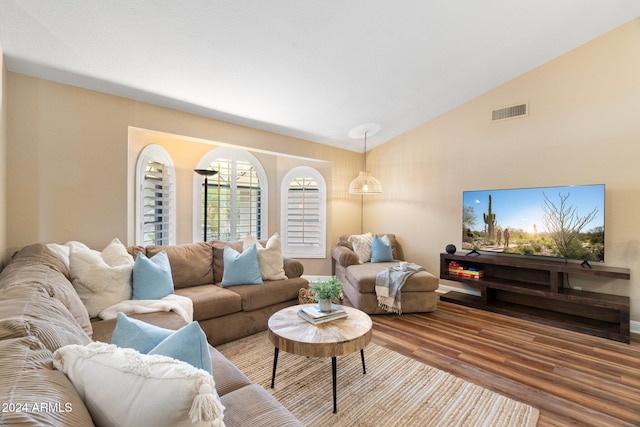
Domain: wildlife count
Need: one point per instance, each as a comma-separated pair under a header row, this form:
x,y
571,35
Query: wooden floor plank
x,y
573,379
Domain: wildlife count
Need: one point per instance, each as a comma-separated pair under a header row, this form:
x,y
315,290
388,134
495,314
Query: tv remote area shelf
x,y
532,289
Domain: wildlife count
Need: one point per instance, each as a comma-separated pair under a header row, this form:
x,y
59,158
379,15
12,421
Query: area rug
x,y
395,391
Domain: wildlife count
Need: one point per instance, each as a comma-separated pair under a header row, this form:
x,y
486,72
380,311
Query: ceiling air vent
x,y
510,112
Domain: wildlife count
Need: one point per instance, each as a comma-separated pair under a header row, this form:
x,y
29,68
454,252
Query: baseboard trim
x,y
316,278
634,325
443,289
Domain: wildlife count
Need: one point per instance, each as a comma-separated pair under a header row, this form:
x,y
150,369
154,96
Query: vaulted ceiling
x,y
309,69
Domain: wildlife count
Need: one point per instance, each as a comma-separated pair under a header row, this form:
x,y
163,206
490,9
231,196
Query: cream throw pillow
x,y
362,246
62,251
122,387
270,260
101,278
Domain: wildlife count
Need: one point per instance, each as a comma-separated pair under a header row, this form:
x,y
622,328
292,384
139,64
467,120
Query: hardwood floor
x,y
572,378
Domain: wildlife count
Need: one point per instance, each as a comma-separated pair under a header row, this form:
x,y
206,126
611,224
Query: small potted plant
x,y
326,291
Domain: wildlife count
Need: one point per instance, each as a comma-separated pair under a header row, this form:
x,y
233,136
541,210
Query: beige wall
x,y
583,128
3,160
71,165
187,152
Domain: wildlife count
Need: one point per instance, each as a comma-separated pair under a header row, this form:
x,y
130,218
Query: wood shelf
x,y
533,289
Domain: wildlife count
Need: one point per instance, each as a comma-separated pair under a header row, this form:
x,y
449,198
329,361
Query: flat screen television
x,y
560,222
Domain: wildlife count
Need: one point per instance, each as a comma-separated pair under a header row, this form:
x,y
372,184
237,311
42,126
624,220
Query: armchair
x,y
418,293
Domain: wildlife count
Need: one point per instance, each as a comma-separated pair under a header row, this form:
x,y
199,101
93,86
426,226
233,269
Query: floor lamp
x,y
206,173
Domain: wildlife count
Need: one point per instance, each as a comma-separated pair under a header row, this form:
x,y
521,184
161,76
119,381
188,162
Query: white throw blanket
x,y
172,302
389,282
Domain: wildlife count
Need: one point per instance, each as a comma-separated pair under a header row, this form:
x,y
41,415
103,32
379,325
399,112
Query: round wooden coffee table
x,y
290,333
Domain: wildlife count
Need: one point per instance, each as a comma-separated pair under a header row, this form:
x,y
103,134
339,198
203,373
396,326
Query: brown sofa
x,y
359,279
225,314
41,312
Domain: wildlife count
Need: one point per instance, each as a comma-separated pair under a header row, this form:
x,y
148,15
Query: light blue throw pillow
x,y
188,344
381,249
152,277
241,268
136,334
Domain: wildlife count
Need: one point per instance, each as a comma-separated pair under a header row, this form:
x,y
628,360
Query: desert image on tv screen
x,y
562,222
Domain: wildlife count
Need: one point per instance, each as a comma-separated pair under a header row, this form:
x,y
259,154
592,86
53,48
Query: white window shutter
x,y
155,215
236,197
304,214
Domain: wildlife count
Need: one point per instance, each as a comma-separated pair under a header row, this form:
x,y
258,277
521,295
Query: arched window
x,y
236,196
303,214
155,197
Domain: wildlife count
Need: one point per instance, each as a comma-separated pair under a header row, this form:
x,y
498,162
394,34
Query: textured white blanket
x,y
181,305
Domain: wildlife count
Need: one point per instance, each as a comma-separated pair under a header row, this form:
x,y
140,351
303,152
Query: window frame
x,y
319,251
234,155
157,153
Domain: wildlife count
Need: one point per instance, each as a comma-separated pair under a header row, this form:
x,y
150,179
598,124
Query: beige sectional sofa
x,y
40,312
225,314
359,279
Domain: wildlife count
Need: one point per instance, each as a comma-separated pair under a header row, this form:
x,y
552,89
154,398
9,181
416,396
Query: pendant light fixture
x,y
365,183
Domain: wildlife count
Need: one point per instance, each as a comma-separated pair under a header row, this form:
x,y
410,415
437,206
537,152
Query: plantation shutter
x,y
234,201
248,200
303,213
156,204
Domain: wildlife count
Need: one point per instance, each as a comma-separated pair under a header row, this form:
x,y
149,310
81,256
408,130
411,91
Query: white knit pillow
x,y
362,246
101,278
63,251
270,260
122,387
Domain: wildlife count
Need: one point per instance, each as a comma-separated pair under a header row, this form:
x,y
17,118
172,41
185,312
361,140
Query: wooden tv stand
x,y
532,289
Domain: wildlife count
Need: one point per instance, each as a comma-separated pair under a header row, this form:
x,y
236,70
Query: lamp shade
x,y
205,172
365,183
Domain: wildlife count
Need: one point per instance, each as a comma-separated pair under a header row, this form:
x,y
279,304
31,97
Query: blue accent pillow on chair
x,y
381,249
241,268
188,343
152,277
